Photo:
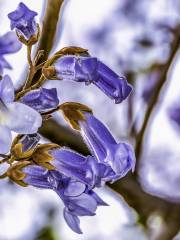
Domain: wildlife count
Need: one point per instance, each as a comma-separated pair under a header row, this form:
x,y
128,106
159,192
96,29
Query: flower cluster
x,y
73,176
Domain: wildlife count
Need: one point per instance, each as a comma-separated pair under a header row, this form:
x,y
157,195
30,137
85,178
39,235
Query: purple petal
x,y
74,188
22,119
42,99
4,64
9,43
83,205
111,84
70,163
72,221
121,158
99,201
30,141
6,90
5,139
36,176
96,135
80,69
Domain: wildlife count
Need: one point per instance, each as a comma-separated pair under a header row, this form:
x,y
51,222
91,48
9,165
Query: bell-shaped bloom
x,y
8,44
119,156
14,116
22,19
78,200
91,70
85,169
41,99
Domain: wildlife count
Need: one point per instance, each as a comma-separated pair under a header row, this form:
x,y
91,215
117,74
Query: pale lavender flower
x,y
8,44
22,19
119,156
41,99
91,70
78,200
14,116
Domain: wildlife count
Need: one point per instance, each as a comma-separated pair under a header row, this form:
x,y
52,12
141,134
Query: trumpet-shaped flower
x,y
14,116
78,200
91,70
119,156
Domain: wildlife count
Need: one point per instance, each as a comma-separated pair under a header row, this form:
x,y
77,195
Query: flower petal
x,y
9,43
36,176
41,99
5,139
22,119
74,188
72,221
121,158
99,201
83,205
6,90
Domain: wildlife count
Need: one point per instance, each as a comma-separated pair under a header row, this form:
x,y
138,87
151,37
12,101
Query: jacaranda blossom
x,y
78,200
14,116
9,43
91,70
85,169
22,19
41,99
119,156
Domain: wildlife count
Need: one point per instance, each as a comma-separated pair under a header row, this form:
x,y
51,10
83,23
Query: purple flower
x,y
119,156
29,141
22,19
8,44
85,169
42,99
78,200
14,116
91,70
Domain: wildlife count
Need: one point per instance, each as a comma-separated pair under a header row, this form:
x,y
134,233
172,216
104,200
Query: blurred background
x,y
138,39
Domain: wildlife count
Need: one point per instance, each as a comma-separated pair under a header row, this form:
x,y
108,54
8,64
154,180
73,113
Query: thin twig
x,y
48,32
32,68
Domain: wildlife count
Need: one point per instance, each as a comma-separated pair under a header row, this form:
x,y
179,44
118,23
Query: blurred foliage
x,y
46,233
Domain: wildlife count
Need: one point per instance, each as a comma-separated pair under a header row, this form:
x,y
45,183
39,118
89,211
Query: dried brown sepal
x,y
49,72
73,112
17,153
73,50
33,39
16,174
42,157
